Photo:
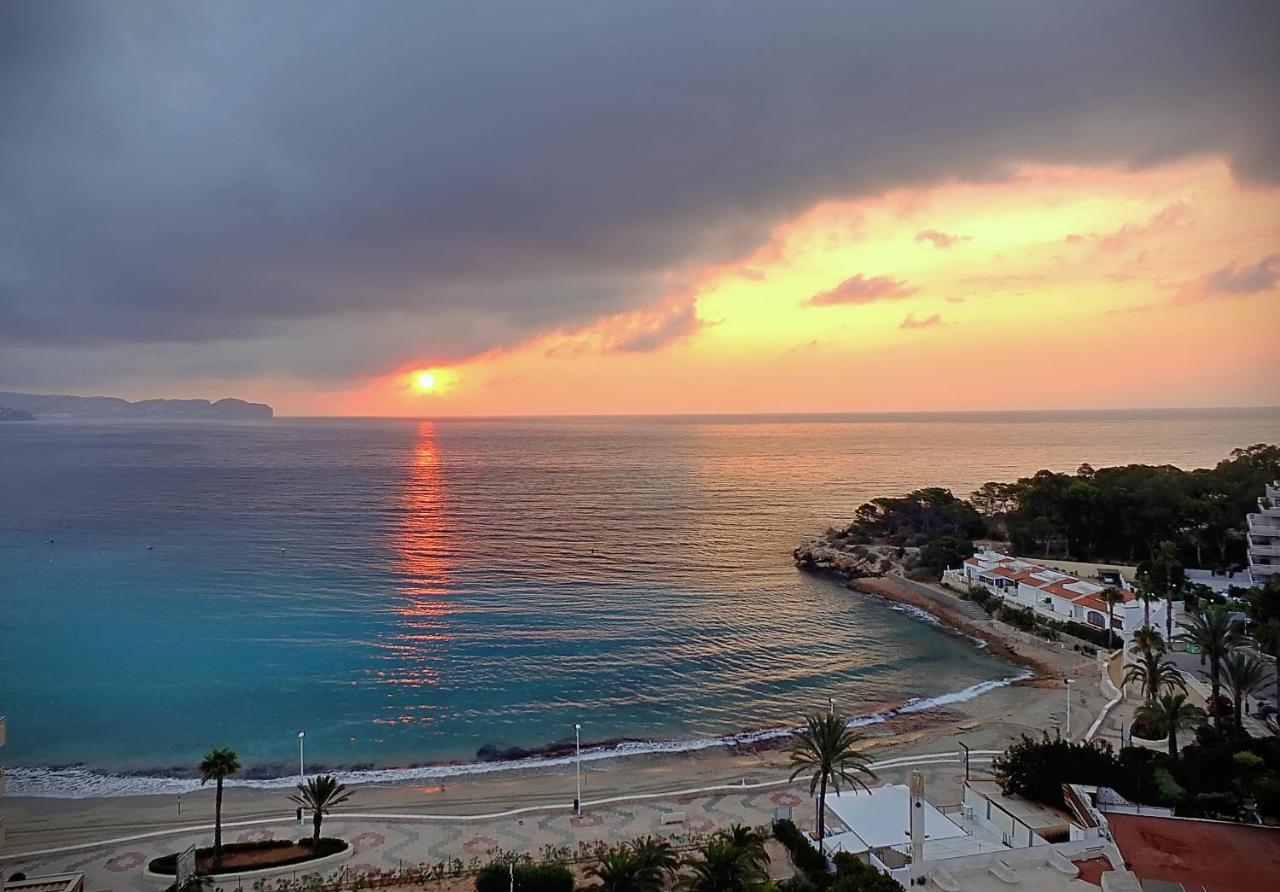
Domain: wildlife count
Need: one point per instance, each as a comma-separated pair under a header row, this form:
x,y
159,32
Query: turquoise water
x,y
409,592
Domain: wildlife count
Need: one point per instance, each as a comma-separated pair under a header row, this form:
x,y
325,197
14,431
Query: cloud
x,y
955,300
862,290
1174,216
1236,280
655,333
911,323
939,239
321,190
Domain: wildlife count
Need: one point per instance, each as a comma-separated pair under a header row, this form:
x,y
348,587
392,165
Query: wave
x,y
84,783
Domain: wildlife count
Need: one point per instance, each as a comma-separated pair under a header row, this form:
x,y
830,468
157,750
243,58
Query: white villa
x,y
1264,537
1057,595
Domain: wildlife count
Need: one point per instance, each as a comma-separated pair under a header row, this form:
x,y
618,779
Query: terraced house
x,y
1059,595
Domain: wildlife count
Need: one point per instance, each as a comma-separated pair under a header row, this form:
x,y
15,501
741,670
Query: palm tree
x,y
1212,631
1171,713
217,765
1154,674
721,867
657,855
621,871
1148,593
824,748
1111,596
1148,639
321,794
750,842
1245,674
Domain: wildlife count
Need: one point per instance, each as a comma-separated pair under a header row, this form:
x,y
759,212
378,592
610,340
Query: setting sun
x,y
425,381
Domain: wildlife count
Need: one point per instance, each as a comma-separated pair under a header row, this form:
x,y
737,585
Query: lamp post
x,y
302,771
831,706
1069,681
577,759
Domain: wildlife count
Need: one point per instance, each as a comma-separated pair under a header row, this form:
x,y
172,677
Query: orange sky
x,y
1062,287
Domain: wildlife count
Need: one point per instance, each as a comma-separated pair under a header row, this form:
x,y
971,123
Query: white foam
x,y
81,783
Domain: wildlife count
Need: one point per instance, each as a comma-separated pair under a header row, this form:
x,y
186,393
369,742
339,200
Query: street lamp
x,y
302,771
1069,682
831,706
577,750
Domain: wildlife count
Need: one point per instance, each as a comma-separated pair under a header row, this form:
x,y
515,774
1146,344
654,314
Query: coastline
x,y
78,783
988,715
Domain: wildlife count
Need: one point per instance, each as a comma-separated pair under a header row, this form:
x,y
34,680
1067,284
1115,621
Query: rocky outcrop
x,y
835,554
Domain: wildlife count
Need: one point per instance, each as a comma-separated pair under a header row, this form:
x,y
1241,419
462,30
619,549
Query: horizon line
x,y
815,414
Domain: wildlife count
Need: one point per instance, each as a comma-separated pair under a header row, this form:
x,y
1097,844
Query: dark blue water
x,y
408,592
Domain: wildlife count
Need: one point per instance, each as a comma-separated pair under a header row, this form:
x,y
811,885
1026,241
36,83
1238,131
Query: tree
x,y
217,765
1245,675
942,552
321,794
1147,639
1213,632
750,842
657,856
824,749
1154,674
1037,769
1171,713
619,870
1164,576
1147,594
720,866
855,875
1111,596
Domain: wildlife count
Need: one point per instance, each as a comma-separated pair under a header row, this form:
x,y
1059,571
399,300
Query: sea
x,y
425,598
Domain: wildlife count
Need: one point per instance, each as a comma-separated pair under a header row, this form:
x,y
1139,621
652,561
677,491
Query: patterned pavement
x,y
388,844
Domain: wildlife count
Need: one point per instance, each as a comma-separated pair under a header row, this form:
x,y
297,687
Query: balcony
x,y
1266,526
1260,548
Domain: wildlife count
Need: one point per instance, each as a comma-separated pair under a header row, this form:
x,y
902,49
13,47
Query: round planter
x,y
246,878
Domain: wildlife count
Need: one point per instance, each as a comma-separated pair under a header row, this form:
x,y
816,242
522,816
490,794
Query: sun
x,y
425,381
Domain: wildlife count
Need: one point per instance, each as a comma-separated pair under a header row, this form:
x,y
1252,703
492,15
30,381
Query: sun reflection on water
x,y
413,657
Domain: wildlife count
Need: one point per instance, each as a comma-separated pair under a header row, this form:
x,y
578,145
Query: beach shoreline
x,y
989,719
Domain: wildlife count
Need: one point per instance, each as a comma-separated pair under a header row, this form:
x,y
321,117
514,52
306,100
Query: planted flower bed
x,y
238,857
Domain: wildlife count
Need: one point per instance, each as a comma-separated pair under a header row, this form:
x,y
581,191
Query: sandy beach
x,y
987,722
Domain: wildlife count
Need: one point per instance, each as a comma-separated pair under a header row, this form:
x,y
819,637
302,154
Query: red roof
x,y
1212,855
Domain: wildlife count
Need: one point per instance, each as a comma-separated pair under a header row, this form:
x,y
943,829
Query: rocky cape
x,y
831,553
114,408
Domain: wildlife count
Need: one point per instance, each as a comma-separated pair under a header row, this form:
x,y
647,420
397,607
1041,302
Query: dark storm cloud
x,y
302,186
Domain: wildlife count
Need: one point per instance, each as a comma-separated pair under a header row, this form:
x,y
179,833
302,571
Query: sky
x,y
438,209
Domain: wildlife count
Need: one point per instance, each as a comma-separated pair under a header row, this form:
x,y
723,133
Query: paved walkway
x,y
387,844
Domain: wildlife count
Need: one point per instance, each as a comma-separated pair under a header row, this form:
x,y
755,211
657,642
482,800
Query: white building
x,y
988,841
1059,596
1264,537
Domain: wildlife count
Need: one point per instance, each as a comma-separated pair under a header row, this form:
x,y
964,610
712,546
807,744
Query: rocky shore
x,y
832,554
879,570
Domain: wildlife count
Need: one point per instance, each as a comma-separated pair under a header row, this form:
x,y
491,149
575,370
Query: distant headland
x,y
32,406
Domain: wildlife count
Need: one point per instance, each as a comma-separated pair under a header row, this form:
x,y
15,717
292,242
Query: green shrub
x,y
798,882
804,856
1037,769
855,875
550,877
